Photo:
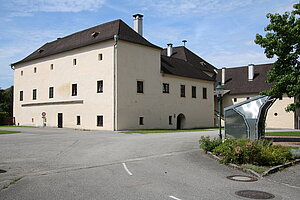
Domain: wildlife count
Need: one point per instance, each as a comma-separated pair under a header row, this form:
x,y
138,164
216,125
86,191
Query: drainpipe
x,y
116,38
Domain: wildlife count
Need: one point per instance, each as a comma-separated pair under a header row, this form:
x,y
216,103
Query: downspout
x,y
116,38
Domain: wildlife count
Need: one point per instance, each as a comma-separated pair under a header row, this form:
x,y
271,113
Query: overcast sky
x,y
219,31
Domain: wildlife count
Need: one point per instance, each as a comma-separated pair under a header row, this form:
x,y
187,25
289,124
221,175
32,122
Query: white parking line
x,y
125,167
174,198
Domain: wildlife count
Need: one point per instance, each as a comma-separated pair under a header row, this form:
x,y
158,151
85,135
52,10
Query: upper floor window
x,y
21,95
193,91
234,99
74,89
100,120
34,70
248,98
100,56
165,87
22,73
100,86
182,90
34,94
140,87
74,61
51,92
51,67
204,90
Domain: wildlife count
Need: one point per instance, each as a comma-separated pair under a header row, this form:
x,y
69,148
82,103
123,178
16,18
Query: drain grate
x,y
242,178
254,194
2,171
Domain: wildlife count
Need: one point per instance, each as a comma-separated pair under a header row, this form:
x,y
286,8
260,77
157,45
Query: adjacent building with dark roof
x,y
245,82
109,77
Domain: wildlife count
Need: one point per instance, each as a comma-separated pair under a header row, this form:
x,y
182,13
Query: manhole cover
x,y
2,171
242,178
254,194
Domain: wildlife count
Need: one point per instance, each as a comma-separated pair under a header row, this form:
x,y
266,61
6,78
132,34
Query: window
x,y
34,94
51,91
182,90
141,120
74,61
21,96
165,87
170,120
74,89
78,120
140,87
204,93
100,86
51,67
248,98
100,56
280,98
234,99
193,91
100,120
22,73
34,70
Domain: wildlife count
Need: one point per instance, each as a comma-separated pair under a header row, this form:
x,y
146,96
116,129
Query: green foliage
x,y
258,169
244,151
209,145
3,116
282,41
6,101
295,153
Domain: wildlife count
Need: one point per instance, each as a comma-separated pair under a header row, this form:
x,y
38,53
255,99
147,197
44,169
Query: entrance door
x,y
180,121
59,120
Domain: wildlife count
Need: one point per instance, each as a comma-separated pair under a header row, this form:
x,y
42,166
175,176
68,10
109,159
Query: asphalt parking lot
x,y
50,163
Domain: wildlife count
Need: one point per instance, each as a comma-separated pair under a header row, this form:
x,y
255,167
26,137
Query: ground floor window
x,y
141,121
170,120
100,120
78,120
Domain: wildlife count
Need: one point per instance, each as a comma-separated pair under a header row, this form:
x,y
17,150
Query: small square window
x,y
141,120
248,98
100,120
204,93
51,92
21,95
34,70
170,120
234,99
74,61
34,94
74,89
140,87
100,56
182,90
100,86
280,98
22,73
165,87
51,67
193,91
78,120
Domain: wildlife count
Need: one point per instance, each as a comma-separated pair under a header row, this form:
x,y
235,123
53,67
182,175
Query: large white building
x,y
109,77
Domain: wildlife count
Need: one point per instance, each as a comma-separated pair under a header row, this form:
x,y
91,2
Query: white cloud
x,y
28,7
187,7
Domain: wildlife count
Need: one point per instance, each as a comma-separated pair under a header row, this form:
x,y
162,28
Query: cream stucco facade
x,y
121,107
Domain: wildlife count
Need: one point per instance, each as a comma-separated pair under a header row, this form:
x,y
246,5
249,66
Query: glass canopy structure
x,y
247,119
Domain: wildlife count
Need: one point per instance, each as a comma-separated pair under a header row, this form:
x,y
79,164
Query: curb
x,y
252,172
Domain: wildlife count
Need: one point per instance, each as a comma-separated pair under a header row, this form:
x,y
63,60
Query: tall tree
x,y
6,100
282,40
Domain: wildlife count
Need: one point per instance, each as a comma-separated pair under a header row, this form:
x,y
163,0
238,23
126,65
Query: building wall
x,y
277,117
139,63
85,73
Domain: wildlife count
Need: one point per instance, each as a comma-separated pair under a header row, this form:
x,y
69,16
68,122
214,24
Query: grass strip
x,y
165,131
286,133
9,132
11,183
258,169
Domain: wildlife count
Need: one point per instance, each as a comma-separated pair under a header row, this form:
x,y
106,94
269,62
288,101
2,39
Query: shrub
x,y
295,153
3,116
209,145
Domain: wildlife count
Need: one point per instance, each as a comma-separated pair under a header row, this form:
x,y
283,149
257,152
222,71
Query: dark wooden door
x,y
59,120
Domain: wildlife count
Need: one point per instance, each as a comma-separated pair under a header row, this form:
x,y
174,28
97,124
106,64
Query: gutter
x,y
116,38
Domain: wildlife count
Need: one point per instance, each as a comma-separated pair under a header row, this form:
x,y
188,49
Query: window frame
x,y
78,120
74,91
182,90
194,92
21,95
170,120
141,121
74,61
100,86
139,86
100,57
51,92
166,88
34,94
100,120
204,93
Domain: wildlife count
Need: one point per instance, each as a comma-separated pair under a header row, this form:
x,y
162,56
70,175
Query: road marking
x,y
174,198
125,167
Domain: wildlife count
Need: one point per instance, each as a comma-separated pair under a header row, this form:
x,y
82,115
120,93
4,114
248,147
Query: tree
x,y
6,100
282,40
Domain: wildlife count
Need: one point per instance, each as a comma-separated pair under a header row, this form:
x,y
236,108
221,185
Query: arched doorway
x,y
180,121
